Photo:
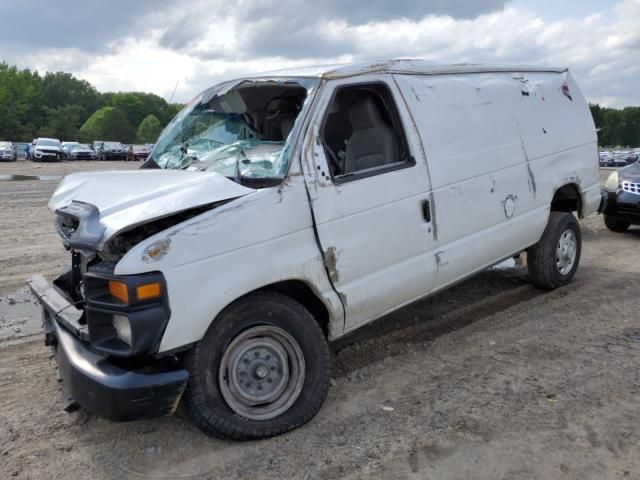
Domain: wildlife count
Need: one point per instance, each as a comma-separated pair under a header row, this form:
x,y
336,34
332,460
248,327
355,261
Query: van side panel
x,y
498,145
225,253
559,138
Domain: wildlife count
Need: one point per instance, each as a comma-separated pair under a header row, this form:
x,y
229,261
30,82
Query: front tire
x,y
553,261
615,225
261,369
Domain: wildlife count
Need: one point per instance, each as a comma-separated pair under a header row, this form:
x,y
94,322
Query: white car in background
x,y
47,150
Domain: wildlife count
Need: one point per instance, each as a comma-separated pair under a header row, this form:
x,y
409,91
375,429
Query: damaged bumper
x,y
92,379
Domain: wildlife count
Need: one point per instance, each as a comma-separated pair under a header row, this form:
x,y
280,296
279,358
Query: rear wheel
x,y
553,261
261,369
616,225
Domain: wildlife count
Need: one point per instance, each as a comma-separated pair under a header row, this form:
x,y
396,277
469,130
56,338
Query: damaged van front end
x,y
106,316
106,328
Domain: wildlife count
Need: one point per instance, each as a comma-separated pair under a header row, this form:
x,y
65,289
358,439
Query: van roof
x,y
408,66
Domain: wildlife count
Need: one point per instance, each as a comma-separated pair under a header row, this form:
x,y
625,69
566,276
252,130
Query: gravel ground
x,y
492,379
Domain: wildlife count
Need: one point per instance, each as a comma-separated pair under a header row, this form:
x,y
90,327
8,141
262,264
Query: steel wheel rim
x,y
566,251
262,372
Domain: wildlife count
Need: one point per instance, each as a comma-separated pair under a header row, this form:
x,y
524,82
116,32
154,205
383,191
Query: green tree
x,y
107,123
63,89
61,122
56,104
137,105
21,109
149,129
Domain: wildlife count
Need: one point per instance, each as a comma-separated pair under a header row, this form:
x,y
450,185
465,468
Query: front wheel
x,y
553,261
261,369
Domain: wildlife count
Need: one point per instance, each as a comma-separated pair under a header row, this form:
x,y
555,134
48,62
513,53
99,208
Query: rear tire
x,y
264,337
553,261
615,225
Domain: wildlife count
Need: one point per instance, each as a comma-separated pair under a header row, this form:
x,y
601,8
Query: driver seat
x,y
373,143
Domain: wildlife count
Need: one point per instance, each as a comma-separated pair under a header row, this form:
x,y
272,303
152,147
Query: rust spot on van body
x,y
331,262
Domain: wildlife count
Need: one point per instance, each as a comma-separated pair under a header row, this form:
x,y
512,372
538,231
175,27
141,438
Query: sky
x,y
152,45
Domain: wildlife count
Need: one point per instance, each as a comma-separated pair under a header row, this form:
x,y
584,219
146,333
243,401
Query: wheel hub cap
x,y
566,251
261,373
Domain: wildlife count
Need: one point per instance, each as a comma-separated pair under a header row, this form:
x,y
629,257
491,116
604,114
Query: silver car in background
x,y
8,152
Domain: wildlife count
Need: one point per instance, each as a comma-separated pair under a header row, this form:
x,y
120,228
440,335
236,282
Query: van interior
x,y
362,131
270,108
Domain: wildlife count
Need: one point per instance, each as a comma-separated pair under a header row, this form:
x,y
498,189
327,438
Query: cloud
x,y
294,28
152,45
87,24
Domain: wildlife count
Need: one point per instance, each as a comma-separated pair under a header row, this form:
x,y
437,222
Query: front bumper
x,y
623,205
46,156
114,155
82,156
93,381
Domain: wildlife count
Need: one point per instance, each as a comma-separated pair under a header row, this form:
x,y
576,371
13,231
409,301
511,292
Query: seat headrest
x,y
281,105
286,125
364,113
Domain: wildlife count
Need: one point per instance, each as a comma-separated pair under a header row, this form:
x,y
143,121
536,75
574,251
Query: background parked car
x,y
606,159
66,148
81,151
625,157
112,151
623,198
137,152
47,150
8,152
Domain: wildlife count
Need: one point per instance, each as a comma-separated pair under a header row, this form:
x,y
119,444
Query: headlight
x,y
123,328
612,182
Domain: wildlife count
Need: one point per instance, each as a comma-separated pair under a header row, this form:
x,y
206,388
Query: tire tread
x,y
216,425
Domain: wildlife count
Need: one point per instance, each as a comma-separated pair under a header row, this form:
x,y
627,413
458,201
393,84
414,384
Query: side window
x,y
362,133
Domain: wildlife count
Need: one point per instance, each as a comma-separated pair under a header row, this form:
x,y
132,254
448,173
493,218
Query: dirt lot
x,y
490,380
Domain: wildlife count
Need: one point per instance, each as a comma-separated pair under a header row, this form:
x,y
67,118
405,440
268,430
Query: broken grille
x,y
631,187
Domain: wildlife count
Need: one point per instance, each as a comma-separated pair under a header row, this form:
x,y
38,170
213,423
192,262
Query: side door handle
x,y
426,211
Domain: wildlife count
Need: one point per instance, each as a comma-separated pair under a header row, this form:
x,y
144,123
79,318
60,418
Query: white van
x,y
278,212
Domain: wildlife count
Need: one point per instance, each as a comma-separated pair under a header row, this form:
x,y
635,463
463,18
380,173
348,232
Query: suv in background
x,y
623,198
112,151
47,150
8,152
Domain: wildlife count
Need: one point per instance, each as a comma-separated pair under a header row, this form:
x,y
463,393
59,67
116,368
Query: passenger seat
x,y
373,143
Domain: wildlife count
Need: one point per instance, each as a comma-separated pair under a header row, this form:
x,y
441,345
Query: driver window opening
x,y
362,132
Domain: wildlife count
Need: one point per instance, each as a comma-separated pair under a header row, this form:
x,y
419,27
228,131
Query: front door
x,y
370,195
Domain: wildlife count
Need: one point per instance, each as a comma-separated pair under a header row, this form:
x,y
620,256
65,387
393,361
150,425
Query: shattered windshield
x,y
238,129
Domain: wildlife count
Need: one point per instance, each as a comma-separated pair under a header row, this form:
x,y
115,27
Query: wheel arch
x,y
303,293
568,198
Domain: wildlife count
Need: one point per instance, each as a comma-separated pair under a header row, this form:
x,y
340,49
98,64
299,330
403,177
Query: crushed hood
x,y
124,199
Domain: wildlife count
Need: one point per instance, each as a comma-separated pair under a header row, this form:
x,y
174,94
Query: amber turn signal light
x,y
150,290
119,290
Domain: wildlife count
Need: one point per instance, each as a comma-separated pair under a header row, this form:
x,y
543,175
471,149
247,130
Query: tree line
x,y
61,106
617,127
58,105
